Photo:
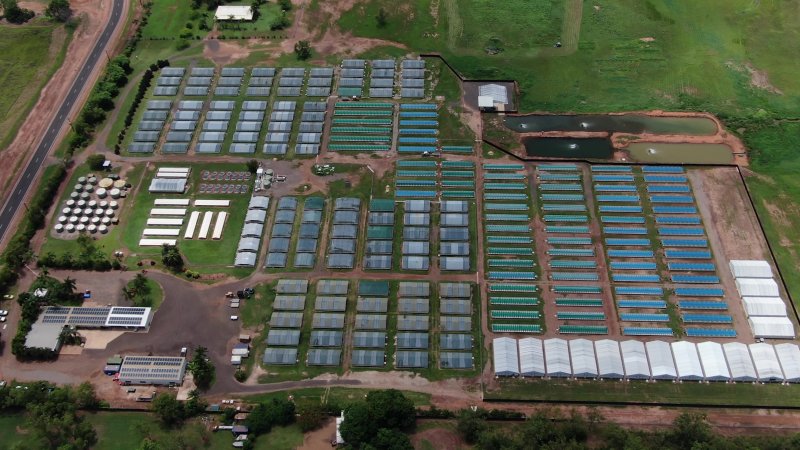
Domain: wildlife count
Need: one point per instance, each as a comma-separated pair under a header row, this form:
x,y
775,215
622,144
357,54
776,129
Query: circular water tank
x,y
84,219
101,192
119,184
88,212
103,229
92,204
113,205
105,220
95,220
269,171
70,203
59,228
66,210
92,180
88,188
80,203
62,219
103,204
114,193
69,228
99,211
78,187
106,183
73,219
84,195
82,180
110,212
80,227
74,195
92,228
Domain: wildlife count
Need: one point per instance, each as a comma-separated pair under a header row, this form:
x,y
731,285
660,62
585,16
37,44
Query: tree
x,y
85,397
387,439
303,50
14,14
171,257
58,10
169,410
286,5
95,161
382,18
690,429
254,8
252,166
201,368
391,409
357,427
55,424
310,416
470,426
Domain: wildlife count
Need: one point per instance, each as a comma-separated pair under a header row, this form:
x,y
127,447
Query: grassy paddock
x,y
335,395
688,393
26,66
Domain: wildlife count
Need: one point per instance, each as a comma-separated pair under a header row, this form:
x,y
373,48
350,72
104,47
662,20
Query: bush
x,y
182,44
240,375
95,161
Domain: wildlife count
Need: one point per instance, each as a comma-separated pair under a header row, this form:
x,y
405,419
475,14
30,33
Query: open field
x,y
686,393
31,55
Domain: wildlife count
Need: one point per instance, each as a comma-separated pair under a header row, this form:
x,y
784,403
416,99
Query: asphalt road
x,y
25,180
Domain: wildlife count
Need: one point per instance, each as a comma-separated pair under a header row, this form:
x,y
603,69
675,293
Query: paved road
x,y
25,180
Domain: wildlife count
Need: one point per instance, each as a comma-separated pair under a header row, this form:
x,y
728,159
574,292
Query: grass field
x,y
8,429
741,394
168,20
335,395
27,63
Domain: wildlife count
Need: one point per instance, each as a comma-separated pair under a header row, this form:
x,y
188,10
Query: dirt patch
x,y
36,7
758,78
647,39
439,438
320,439
226,52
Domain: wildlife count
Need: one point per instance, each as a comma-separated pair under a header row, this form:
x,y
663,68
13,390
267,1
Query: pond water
x,y
595,148
680,153
626,123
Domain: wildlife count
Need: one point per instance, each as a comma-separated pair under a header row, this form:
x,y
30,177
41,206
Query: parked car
x,y
3,312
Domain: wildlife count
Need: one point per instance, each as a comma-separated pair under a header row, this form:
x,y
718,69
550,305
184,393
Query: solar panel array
x,y
160,370
342,251
510,251
279,129
454,235
418,128
312,121
361,127
150,126
380,234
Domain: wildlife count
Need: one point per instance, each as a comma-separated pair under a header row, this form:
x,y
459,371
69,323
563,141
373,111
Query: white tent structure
x,y
739,362
750,268
634,358
581,353
766,361
687,362
234,13
772,327
556,356
713,359
789,357
506,358
661,365
497,92
764,306
609,359
531,358
757,287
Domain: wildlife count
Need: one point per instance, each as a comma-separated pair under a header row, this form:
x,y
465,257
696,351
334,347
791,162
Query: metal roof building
x,y
764,306
155,370
414,289
281,337
739,362
326,338
456,360
766,362
506,357
581,353
662,366
531,358
789,357
457,290
292,287
280,356
634,357
369,339
455,341
750,269
687,362
412,340
609,359
713,359
556,356
772,327
323,357
368,358
411,359
757,287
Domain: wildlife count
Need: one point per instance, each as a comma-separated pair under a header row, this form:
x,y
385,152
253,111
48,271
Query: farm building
x,y
156,370
506,357
233,13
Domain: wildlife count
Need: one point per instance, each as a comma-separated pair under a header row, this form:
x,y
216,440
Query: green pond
x,y
651,152
624,123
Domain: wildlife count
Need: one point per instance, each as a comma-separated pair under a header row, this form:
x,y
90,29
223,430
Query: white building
x,y
237,13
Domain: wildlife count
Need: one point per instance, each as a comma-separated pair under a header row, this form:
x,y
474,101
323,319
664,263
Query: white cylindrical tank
x,y
114,193
69,228
62,219
73,219
92,229
103,229
101,193
59,228
66,211
80,227
110,212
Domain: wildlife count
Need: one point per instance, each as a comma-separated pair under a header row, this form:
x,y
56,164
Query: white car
x,y
2,318
3,312
234,317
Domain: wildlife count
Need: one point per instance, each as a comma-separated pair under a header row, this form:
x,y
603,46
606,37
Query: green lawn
x,y
268,13
8,429
168,20
25,67
743,394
